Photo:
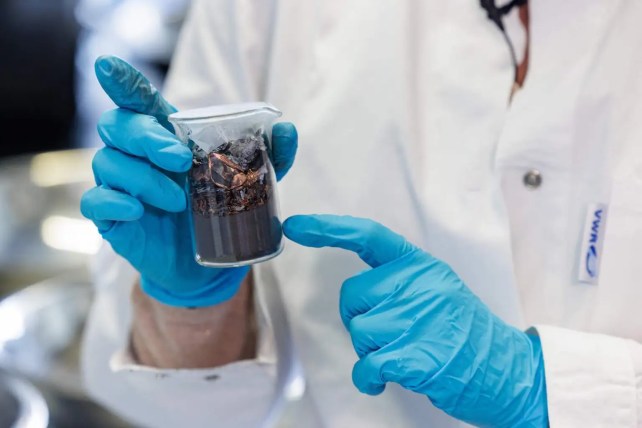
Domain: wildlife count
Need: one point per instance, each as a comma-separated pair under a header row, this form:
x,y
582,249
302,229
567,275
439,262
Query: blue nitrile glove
x,y
139,204
414,322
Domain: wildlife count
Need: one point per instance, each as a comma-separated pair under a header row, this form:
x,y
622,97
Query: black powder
x,y
233,202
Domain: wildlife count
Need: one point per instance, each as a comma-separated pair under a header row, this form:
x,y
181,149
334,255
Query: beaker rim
x,y
223,111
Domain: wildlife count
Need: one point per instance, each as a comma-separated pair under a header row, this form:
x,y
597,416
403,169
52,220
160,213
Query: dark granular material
x,y
233,202
231,179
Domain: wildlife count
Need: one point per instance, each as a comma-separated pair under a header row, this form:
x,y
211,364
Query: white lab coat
x,y
403,114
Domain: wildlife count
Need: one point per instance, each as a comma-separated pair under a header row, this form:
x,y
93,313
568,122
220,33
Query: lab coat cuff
x,y
588,371
635,348
124,361
240,394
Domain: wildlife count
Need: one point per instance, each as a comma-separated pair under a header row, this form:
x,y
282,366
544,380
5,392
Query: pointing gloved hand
x,y
414,322
139,202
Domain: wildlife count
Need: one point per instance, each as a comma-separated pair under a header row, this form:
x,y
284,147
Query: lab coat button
x,y
533,179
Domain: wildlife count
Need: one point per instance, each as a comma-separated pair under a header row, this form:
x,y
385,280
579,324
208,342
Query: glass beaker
x,y
231,185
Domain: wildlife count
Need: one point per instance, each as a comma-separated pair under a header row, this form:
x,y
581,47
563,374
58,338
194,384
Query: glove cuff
x,y
537,412
222,288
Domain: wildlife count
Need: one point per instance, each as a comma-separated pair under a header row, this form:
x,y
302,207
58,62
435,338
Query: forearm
x,y
170,337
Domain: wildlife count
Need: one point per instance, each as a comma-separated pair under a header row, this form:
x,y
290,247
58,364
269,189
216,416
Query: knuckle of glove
x,y
87,203
106,123
143,131
347,292
348,296
98,164
363,340
356,327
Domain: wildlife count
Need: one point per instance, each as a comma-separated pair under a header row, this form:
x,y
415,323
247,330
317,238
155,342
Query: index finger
x,y
142,136
129,88
374,243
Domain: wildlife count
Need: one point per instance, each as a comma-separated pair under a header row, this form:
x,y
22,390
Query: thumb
x,y
129,89
374,243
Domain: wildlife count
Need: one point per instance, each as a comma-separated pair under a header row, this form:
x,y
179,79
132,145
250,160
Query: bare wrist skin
x,y
170,337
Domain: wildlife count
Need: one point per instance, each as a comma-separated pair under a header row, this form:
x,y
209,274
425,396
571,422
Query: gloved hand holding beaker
x,y
414,322
139,202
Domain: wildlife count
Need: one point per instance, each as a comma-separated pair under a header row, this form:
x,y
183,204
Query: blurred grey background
x,y
49,105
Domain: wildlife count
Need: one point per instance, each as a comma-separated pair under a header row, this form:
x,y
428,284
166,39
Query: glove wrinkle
x,y
143,160
439,339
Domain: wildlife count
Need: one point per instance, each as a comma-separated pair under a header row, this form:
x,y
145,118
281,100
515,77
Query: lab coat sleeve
x,y
221,57
240,394
592,380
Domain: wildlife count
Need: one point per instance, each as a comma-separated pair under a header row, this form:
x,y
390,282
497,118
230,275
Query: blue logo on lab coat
x,y
591,254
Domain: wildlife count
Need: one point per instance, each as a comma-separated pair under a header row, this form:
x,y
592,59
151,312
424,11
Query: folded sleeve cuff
x,y
240,394
592,380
